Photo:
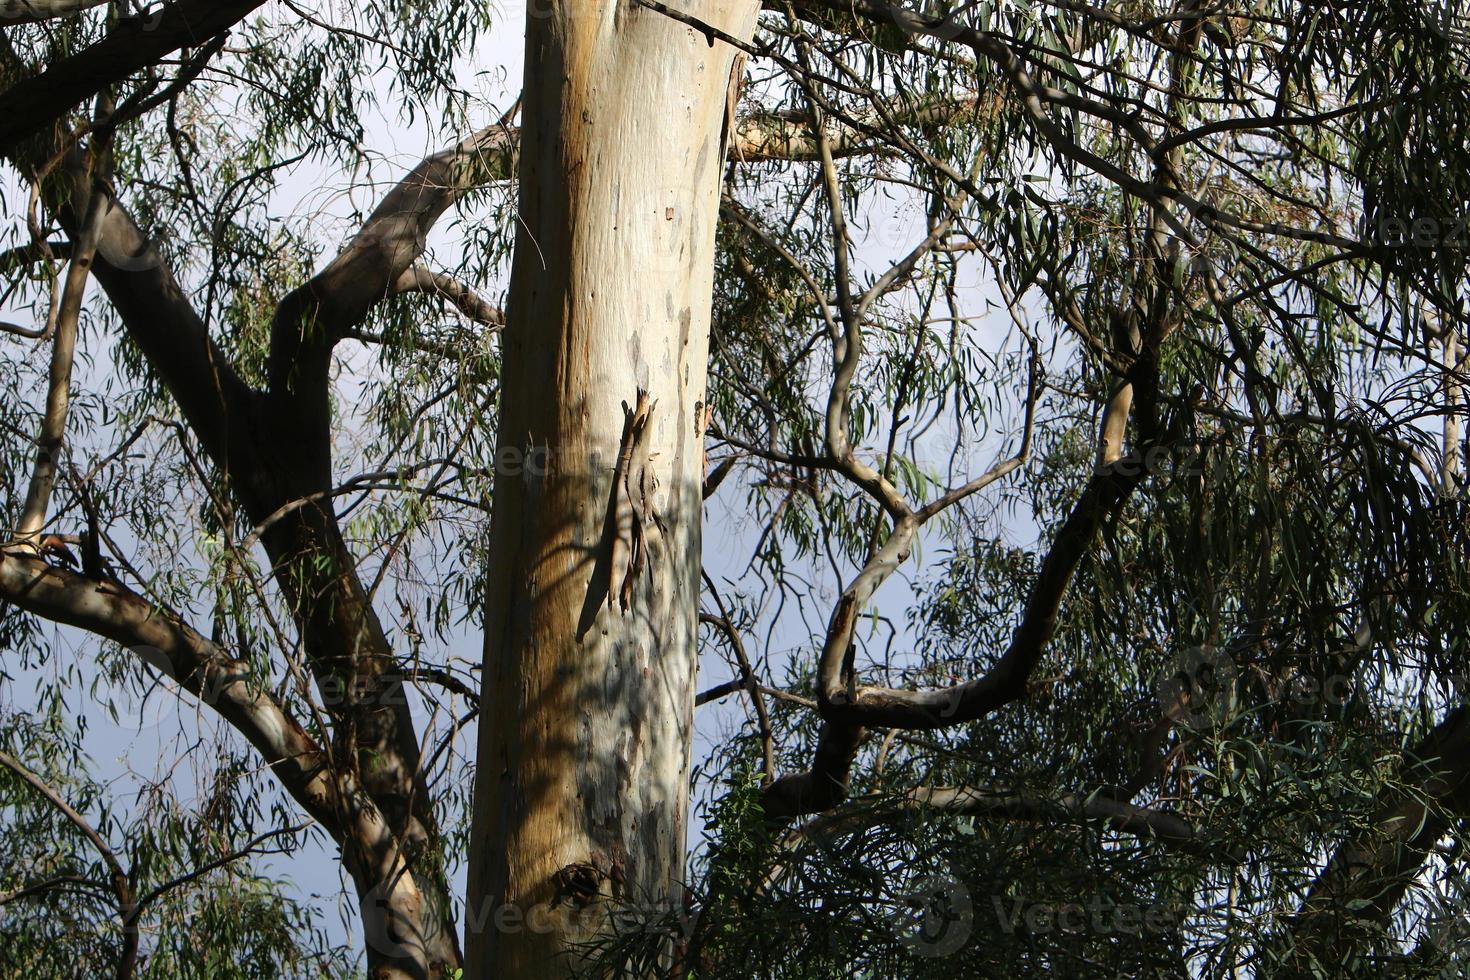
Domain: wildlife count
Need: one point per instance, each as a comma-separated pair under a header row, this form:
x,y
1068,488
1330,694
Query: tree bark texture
x,y
591,622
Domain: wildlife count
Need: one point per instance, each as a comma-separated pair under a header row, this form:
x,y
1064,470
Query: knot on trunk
x,y
578,884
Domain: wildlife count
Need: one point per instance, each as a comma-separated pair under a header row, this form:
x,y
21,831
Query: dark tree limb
x,y
1143,822
29,106
1368,876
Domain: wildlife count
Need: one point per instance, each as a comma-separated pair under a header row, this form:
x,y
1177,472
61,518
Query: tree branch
x,y
13,12
848,713
373,265
421,279
1163,826
1367,876
110,610
58,393
119,878
31,105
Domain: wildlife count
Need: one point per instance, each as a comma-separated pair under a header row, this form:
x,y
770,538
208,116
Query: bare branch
x,y
58,393
1368,875
120,879
13,12
849,710
421,279
110,610
373,265
196,873
29,333
750,682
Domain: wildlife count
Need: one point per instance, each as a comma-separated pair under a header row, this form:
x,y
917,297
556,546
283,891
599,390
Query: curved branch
x,y
1370,873
1006,681
748,681
315,316
421,279
110,610
195,874
13,12
120,881
849,713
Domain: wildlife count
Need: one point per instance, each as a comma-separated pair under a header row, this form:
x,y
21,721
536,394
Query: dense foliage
x,y
1234,235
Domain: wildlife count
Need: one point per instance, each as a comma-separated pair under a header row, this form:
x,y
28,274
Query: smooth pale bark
x,y
50,440
1114,428
582,780
1454,393
30,11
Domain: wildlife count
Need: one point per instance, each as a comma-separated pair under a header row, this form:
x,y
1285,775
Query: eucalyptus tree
x,y
1178,284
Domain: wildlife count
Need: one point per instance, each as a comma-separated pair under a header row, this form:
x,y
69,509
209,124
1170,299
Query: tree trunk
x,y
590,631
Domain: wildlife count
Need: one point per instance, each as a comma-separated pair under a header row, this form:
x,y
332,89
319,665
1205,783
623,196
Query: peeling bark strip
x,y
632,504
584,753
